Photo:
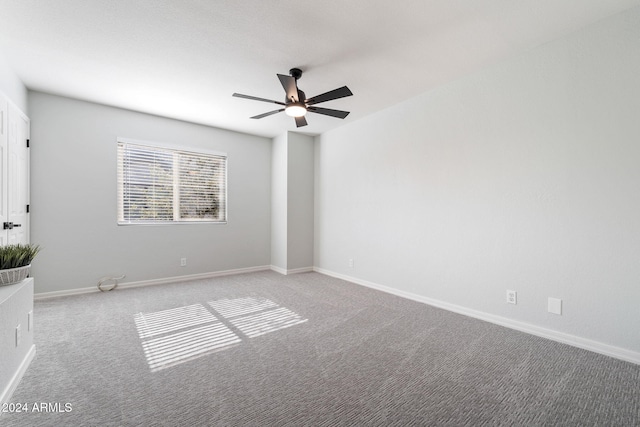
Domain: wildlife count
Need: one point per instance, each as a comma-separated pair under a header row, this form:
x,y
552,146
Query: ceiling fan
x,y
296,104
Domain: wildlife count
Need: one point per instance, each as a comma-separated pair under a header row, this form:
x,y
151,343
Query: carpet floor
x,y
262,349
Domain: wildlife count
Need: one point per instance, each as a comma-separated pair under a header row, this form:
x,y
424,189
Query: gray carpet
x,y
263,349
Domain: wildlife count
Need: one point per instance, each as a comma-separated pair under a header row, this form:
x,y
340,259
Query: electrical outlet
x,y
350,262
512,297
18,335
183,262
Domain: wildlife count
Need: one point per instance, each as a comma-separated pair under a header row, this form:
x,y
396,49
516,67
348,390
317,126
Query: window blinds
x,y
164,185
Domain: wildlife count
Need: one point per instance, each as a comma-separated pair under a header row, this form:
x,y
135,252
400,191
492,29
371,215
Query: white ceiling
x,y
184,58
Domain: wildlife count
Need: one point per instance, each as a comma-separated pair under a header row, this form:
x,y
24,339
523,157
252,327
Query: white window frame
x,y
176,208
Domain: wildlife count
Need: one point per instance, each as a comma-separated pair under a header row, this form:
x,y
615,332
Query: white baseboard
x,y
573,340
162,281
292,271
279,270
5,397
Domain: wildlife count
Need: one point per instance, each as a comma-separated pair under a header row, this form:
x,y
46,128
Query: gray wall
x,y
524,176
73,196
292,215
300,202
279,190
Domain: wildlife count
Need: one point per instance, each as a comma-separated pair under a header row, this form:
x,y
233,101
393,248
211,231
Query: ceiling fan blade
x,y
341,92
329,112
259,116
289,85
255,98
300,121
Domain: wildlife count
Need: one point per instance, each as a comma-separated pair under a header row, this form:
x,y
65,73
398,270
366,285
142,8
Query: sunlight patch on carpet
x,y
181,347
181,334
160,322
256,316
174,336
239,306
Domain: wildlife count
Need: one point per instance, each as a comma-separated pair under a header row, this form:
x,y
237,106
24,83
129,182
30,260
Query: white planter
x,y
11,276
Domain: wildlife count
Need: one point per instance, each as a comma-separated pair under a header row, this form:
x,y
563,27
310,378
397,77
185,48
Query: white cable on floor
x,y
109,279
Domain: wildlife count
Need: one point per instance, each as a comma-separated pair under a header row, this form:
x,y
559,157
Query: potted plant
x,y
15,262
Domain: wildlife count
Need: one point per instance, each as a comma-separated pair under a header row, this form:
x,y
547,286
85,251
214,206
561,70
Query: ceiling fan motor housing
x,y
296,73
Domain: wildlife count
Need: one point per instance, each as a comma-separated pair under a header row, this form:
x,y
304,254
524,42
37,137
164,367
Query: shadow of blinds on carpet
x,y
178,335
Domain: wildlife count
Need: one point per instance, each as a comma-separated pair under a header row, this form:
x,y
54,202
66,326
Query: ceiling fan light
x,y
296,109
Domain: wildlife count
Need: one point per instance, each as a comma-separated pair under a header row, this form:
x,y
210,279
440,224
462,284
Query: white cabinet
x,y
16,348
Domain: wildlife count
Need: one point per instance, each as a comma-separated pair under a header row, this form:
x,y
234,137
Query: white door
x,y
4,127
14,162
18,177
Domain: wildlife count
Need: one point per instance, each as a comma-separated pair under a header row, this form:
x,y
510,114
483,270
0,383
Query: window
x,y
160,185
